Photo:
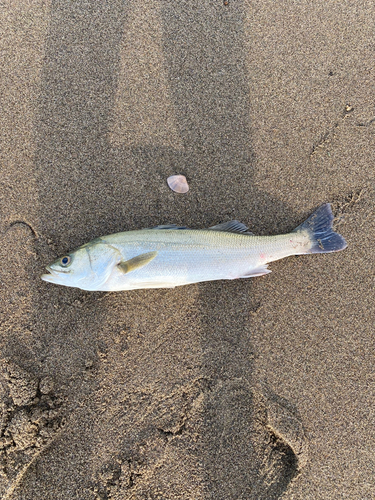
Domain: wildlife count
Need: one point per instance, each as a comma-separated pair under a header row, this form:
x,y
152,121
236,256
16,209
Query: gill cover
x,y
87,268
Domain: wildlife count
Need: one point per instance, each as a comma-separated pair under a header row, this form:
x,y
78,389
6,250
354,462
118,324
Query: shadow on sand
x,y
89,188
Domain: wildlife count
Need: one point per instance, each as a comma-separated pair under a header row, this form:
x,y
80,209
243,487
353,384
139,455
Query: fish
x,y
170,255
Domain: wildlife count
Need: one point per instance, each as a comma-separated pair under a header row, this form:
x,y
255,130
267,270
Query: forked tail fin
x,y
323,237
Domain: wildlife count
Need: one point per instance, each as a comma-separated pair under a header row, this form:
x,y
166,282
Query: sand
x,y
252,389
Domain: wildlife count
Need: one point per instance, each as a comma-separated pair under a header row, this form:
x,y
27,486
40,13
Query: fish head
x,y
87,268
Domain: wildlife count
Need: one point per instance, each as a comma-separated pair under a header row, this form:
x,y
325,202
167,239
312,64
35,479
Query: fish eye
x,y
65,261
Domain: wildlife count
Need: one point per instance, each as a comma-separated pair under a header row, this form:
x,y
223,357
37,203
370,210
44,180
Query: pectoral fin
x,y
136,262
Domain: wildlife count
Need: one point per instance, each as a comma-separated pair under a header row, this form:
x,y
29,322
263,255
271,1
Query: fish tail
x,y
319,227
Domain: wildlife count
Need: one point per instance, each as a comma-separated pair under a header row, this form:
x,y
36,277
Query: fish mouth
x,y
54,276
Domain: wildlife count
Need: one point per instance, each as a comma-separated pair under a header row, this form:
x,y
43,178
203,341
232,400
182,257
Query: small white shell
x,y
178,183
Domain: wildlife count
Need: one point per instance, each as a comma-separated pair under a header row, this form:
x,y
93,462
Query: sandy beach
x,y
252,389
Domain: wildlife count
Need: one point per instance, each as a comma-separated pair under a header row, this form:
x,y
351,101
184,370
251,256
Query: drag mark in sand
x,y
17,482
366,124
331,133
23,223
345,205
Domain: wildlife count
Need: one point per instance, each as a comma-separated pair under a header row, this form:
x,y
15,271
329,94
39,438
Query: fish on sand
x,y
169,256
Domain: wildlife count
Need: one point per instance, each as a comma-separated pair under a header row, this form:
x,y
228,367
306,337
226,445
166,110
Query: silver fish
x,y
169,256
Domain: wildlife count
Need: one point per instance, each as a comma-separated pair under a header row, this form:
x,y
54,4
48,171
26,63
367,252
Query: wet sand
x,y
247,389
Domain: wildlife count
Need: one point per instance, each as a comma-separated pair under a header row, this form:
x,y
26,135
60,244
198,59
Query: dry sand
x,y
252,389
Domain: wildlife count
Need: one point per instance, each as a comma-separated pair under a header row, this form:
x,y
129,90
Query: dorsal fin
x,y
233,226
168,226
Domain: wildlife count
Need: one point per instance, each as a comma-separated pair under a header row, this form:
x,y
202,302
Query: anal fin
x,y
258,271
